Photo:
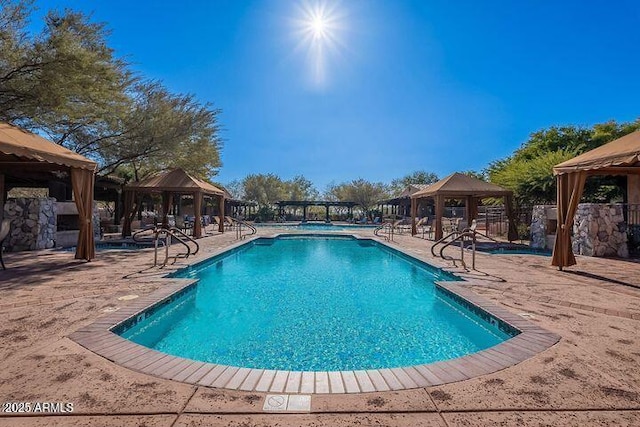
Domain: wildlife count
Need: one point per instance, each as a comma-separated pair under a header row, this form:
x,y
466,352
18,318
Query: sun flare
x,y
318,26
317,30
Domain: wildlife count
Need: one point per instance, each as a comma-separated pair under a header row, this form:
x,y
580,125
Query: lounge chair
x,y
4,232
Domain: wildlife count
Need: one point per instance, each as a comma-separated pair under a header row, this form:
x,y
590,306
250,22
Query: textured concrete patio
x,y
590,377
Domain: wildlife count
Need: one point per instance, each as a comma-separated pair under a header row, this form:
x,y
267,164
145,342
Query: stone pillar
x,y
33,223
600,230
539,227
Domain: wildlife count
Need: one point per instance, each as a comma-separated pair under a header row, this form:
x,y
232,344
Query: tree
x,y
164,130
61,80
300,188
366,194
66,82
418,177
264,189
236,189
529,170
477,175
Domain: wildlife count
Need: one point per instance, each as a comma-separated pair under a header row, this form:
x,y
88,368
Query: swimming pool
x,y
316,303
318,226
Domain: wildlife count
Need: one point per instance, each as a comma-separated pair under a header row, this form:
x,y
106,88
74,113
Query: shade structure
x,y
468,188
615,157
23,153
618,157
169,182
22,146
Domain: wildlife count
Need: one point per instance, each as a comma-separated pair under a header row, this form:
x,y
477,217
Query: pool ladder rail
x,y
385,230
240,226
163,237
462,236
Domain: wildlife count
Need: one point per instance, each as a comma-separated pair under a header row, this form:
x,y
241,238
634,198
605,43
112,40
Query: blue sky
x,y
407,85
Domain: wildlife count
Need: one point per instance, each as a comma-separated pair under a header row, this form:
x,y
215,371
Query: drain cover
x,y
127,297
286,402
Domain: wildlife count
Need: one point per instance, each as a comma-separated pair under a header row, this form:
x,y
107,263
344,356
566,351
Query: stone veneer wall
x,y
542,236
539,227
600,230
33,223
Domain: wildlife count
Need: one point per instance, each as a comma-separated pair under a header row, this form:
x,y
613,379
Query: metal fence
x,y
493,220
631,213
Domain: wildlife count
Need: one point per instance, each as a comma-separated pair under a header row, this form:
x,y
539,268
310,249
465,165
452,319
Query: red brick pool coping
x,y
98,338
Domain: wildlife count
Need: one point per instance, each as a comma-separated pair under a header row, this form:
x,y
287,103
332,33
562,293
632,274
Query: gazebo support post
x,y
197,213
327,220
439,202
221,211
129,212
414,208
1,196
512,234
167,199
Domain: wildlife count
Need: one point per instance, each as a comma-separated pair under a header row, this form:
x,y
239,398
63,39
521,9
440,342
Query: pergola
x,y
306,203
168,183
28,157
462,187
619,157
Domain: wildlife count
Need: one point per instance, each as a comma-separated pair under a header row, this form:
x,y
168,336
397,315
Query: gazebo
x,y
168,183
401,205
462,187
29,157
619,157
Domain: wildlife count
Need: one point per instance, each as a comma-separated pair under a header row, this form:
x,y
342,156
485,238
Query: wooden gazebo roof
x,y
461,185
174,180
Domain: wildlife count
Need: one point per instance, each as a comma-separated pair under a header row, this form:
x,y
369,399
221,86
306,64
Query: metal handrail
x,y
162,237
387,236
239,224
461,237
437,242
187,237
134,236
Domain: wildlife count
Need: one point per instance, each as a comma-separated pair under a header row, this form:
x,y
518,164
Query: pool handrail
x,y
238,224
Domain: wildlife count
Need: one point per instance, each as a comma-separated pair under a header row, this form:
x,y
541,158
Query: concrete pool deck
x,y
590,377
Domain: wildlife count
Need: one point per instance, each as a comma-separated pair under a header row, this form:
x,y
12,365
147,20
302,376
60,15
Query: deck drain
x,y
127,297
286,402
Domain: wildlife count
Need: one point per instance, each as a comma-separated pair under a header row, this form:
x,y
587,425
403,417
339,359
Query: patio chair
x,y
427,228
4,232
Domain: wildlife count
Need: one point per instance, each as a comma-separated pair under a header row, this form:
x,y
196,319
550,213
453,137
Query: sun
x,y
317,29
318,26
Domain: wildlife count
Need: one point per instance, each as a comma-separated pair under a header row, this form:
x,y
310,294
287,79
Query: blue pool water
x,y
318,226
316,303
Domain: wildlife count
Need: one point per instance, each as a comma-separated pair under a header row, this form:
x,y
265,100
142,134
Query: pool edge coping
x,y
99,338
